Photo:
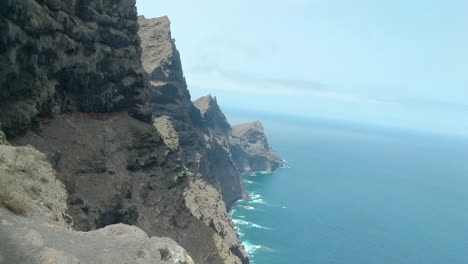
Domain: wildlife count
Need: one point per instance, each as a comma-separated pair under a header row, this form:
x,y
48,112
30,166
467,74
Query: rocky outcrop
x,y
212,115
251,151
29,187
35,228
160,57
71,55
25,241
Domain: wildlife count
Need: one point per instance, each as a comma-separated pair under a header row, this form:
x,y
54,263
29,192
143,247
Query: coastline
x,y
249,203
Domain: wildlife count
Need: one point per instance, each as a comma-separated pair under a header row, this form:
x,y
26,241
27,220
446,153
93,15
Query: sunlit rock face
x,y
251,150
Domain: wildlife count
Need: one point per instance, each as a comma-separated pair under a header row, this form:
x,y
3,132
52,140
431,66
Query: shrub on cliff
x,y
3,140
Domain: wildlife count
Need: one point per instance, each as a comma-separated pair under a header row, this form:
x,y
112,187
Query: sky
x,y
395,63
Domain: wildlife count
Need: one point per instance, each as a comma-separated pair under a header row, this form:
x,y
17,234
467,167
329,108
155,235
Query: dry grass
x,y
35,189
14,202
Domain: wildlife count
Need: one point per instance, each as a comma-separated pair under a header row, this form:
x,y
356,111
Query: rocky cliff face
x,y
71,55
251,151
182,124
71,84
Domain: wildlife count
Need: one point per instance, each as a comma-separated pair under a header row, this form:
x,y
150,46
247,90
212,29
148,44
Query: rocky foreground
x,y
108,154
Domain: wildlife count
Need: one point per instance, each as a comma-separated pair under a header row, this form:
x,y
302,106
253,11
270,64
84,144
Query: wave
x,y
252,248
248,207
249,182
248,224
255,195
258,201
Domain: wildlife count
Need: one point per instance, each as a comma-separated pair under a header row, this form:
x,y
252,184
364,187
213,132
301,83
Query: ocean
x,y
356,194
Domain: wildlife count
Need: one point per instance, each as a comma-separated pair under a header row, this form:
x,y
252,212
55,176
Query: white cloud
x,y
217,81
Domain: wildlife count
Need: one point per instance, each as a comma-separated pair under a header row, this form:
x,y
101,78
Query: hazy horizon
x,y
390,63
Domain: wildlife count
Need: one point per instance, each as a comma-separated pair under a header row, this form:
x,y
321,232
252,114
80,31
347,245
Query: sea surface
x,y
355,194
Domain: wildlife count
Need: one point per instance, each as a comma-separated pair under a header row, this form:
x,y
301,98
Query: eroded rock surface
x,y
29,187
35,228
215,181
251,150
70,55
26,241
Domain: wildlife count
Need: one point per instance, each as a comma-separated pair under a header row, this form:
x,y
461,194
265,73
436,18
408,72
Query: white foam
x,y
249,224
255,196
251,248
232,212
248,207
257,201
249,182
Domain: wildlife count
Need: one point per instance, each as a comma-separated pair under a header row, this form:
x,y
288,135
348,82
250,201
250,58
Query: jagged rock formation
x,y
71,55
71,72
34,226
179,120
212,115
204,136
219,137
245,144
160,59
251,151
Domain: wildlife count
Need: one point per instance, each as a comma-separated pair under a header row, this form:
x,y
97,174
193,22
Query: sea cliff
x,y
99,97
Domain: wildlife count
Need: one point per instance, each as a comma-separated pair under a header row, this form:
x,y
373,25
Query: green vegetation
x,y
3,140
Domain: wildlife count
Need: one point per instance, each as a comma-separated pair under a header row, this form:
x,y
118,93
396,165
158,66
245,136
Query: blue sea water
x,y
357,195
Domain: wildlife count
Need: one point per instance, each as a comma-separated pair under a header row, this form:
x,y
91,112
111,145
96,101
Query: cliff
x,y
246,144
113,124
251,151
63,56
182,124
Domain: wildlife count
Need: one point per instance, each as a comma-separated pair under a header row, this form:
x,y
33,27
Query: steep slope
x,y
219,138
71,55
181,123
